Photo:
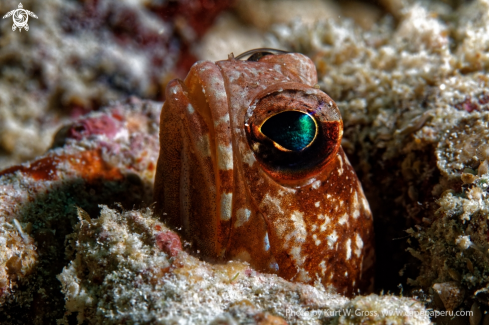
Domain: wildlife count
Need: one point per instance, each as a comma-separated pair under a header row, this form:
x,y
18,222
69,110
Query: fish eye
x,y
256,54
293,133
290,130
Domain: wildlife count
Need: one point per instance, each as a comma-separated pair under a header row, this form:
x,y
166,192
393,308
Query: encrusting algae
x,y
454,250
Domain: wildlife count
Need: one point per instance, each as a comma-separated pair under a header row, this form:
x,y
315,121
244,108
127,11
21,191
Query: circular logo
x,y
20,18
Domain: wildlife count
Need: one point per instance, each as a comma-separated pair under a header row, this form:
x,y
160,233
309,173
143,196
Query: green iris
x,y
292,130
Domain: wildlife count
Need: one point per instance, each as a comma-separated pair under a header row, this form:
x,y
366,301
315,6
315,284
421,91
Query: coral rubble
x,y
80,55
120,273
89,165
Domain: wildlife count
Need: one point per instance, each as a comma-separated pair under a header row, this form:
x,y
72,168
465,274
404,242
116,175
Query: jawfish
x,y
251,168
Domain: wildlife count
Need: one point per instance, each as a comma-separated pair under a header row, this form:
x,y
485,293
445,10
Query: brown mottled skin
x,y
234,194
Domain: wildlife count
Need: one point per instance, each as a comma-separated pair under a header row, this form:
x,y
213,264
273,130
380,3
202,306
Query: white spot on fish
x,y
220,94
299,232
325,223
272,202
343,219
340,170
244,256
355,206
284,191
274,266
190,108
295,253
322,265
247,155
223,120
316,240
316,185
267,242
249,158
296,233
225,157
242,216
348,249
332,239
303,276
359,244
203,146
280,227
317,204
365,204
356,214
226,206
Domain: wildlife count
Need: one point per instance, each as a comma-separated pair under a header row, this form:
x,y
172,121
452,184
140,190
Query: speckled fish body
x,y
237,188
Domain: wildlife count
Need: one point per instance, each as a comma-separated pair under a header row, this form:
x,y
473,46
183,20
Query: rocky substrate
x,y
81,245
413,91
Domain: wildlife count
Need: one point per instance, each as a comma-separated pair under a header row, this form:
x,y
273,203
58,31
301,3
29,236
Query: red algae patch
x,y
104,124
89,164
169,242
40,170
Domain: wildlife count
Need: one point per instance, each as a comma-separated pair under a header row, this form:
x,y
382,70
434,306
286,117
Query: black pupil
x,y
292,130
